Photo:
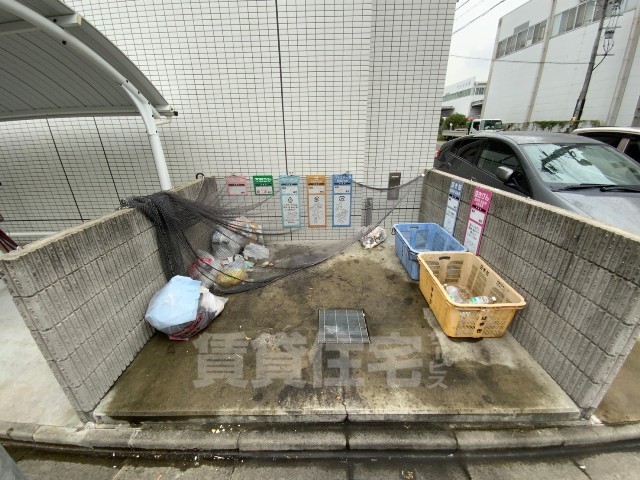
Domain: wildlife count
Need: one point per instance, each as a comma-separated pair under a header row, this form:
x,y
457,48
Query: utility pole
x,y
577,113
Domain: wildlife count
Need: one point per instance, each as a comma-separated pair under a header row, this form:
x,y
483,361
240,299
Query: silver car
x,y
576,173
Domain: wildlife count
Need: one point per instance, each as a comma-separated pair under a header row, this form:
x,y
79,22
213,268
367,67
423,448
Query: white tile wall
x,y
352,85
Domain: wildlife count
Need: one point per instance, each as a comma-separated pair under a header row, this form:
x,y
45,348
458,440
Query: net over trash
x,y
235,243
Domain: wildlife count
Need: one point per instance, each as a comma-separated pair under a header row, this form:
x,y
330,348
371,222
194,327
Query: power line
x,y
517,61
479,16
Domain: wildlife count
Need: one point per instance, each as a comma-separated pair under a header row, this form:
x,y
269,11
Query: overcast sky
x,y
477,39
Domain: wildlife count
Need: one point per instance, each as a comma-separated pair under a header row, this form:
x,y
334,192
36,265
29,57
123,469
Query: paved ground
x,y
29,393
260,359
599,466
621,404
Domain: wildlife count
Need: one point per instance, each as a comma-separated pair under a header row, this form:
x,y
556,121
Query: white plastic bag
x,y
175,305
374,237
183,307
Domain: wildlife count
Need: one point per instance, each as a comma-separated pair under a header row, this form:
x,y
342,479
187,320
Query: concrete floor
x,y
29,393
272,369
621,404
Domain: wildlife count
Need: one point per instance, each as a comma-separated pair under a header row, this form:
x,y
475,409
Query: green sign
x,y
263,184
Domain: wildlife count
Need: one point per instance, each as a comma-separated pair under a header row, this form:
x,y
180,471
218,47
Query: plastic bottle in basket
x,y
482,299
454,293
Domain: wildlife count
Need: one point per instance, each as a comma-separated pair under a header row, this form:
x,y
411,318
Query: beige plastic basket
x,y
470,272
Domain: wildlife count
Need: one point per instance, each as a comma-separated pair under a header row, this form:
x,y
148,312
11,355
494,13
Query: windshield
x,y
493,124
563,165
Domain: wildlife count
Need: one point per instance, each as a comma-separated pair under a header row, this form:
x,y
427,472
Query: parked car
x,y
576,173
624,139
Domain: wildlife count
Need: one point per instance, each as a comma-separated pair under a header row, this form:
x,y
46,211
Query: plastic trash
x,y
255,252
209,307
482,299
182,308
205,268
374,237
454,293
225,243
175,305
232,273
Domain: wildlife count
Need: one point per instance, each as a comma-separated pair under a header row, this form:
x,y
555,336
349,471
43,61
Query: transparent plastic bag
x,y
255,252
232,273
374,237
175,305
205,268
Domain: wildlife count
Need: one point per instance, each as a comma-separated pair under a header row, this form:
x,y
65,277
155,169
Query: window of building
x,y
521,40
580,14
538,34
501,48
571,19
511,45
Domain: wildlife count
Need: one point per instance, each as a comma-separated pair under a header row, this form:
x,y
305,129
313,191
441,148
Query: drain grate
x,y
342,326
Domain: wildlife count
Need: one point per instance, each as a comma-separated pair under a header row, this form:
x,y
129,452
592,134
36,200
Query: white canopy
x,y
53,63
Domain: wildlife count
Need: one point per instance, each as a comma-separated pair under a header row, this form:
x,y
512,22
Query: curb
x,y
305,438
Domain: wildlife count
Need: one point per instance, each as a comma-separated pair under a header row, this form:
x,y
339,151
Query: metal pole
x,y
577,112
154,140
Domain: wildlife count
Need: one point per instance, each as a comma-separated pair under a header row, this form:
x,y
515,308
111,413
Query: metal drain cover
x,y
342,326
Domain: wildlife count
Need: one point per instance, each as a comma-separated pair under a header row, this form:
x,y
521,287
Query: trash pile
x,y
235,250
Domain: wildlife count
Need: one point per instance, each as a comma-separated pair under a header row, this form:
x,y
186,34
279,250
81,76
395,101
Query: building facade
x,y
540,60
465,97
262,87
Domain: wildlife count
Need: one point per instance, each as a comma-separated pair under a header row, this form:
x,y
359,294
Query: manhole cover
x,y
342,326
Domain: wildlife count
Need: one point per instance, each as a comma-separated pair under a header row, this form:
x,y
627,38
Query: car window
x,y
476,124
633,149
498,154
467,148
582,163
608,138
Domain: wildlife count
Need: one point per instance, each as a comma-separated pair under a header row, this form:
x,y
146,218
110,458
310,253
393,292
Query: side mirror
x,y
504,174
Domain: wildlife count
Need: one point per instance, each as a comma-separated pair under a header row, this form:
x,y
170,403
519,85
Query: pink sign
x,y
477,219
236,185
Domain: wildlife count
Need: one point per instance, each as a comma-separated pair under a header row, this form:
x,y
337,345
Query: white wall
x,y
362,85
509,90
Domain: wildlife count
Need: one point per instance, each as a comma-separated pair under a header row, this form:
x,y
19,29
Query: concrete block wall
x,y
83,294
580,278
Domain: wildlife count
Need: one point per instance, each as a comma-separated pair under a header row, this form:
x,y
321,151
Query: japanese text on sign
x,y
477,219
290,201
342,185
236,185
263,184
453,203
317,200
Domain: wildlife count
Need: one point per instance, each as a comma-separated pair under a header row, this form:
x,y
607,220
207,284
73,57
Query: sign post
x,y
477,219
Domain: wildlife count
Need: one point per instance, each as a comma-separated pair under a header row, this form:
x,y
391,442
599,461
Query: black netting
x,y
233,244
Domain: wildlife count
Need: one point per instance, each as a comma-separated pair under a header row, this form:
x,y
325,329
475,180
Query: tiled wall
x,y
580,280
262,87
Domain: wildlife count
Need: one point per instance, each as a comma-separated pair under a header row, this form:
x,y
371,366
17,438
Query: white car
x,y
624,139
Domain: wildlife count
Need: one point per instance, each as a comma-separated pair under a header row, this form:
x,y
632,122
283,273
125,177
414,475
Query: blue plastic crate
x,y
415,238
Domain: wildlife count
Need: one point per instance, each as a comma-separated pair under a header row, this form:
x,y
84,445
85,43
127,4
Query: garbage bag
x,y
205,268
225,243
232,273
209,307
255,252
183,307
374,237
175,305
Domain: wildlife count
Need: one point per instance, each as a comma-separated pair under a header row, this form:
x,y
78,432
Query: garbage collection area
x,y
261,359
353,336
